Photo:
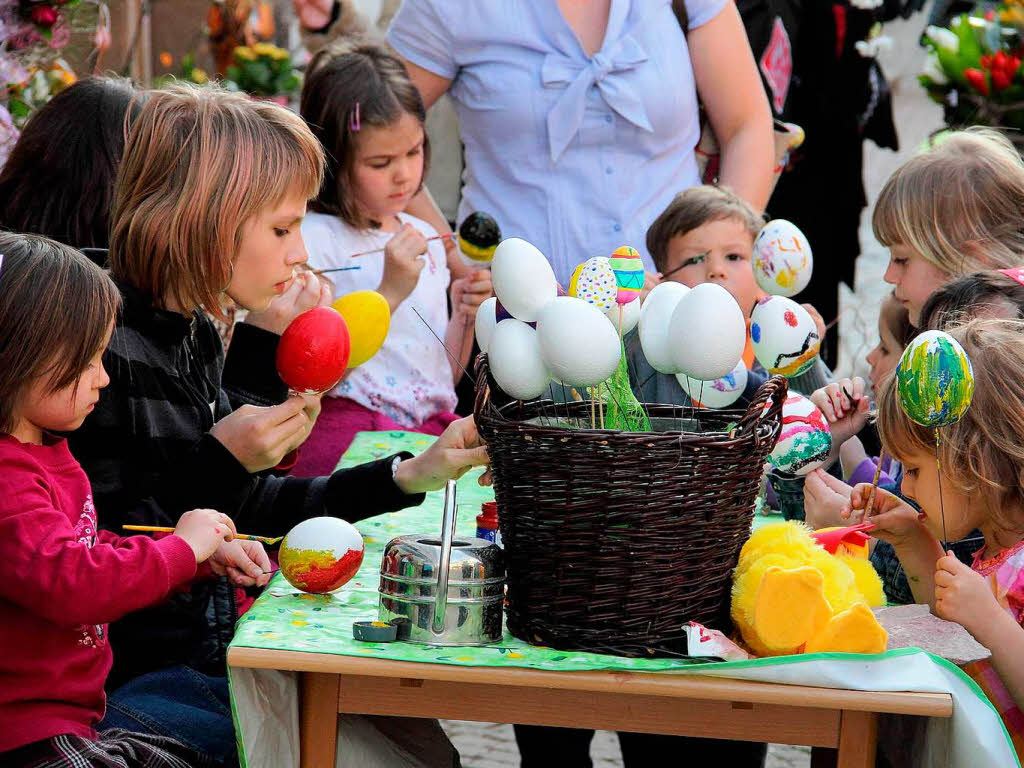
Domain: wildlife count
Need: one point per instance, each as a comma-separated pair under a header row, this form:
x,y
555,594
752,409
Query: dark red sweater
x,y
61,582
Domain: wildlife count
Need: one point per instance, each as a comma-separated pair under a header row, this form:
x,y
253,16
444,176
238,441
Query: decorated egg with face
x,y
313,351
719,393
515,360
707,333
321,554
629,273
782,259
784,336
593,281
935,380
805,439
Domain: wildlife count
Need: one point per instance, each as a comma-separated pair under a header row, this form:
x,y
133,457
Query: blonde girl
x,y
956,208
980,486
209,202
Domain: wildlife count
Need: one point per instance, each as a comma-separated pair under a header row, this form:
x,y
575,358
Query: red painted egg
x,y
313,352
321,554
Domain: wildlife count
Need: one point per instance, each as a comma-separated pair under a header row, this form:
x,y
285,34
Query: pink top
x,y
1005,574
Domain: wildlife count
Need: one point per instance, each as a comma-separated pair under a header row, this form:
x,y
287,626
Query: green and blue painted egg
x,y
934,380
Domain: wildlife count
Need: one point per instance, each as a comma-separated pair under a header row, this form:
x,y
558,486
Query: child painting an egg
x,y
706,235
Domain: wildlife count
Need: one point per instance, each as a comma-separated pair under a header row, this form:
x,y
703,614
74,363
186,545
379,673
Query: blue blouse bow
x,y
606,70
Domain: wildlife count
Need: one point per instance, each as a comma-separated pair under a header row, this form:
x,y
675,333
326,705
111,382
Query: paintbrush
x,y
381,250
268,540
874,486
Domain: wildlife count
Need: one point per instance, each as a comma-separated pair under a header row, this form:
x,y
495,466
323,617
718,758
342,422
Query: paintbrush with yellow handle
x,y
268,540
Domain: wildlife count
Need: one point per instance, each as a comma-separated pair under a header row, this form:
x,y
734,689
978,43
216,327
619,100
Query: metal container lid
x,y
415,559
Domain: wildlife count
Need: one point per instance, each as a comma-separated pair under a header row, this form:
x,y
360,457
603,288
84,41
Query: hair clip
x,y
354,123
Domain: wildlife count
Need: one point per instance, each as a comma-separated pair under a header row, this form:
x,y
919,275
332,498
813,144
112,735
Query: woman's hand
x,y
825,497
469,292
402,265
204,530
845,406
260,437
962,595
305,292
243,561
454,453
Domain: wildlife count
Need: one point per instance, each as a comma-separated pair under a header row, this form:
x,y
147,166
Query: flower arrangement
x,y
33,34
974,67
264,70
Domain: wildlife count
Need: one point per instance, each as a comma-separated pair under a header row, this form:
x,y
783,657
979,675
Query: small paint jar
x,y
487,522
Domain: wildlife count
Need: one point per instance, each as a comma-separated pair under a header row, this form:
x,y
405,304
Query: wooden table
x,y
679,704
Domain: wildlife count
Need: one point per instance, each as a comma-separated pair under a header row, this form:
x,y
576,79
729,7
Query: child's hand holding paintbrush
x,y
846,408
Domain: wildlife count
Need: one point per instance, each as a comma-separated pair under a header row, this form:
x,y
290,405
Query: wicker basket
x,y
615,540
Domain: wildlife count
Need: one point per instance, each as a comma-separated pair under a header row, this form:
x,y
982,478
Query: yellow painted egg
x,y
368,318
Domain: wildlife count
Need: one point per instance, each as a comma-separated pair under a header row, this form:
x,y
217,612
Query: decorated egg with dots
x,y
782,259
784,336
321,554
805,439
629,273
707,333
313,351
593,281
718,393
935,380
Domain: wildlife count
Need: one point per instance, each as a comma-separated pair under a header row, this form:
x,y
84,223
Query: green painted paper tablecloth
x,y
265,702
286,619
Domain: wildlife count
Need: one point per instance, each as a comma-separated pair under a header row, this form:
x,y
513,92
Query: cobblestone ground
x,y
488,745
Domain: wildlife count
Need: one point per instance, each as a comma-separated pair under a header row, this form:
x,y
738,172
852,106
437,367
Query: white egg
x,y
516,362
485,323
630,316
707,333
782,259
578,344
522,277
720,393
784,335
655,316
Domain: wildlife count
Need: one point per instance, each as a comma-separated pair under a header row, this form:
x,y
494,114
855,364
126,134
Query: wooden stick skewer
x,y
874,486
168,529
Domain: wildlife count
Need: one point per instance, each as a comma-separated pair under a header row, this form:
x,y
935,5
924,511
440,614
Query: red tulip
x,y
44,15
977,80
1000,80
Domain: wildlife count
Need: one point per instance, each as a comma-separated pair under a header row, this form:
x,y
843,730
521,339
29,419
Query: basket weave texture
x,y
615,540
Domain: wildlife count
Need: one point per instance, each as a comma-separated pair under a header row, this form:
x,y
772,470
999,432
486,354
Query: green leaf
x,y
18,108
970,49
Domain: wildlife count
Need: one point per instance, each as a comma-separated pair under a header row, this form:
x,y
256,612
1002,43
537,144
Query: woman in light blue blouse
x,y
579,117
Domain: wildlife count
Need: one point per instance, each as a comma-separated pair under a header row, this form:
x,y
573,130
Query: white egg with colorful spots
x,y
594,282
515,360
655,316
578,344
805,440
719,393
784,336
707,333
782,261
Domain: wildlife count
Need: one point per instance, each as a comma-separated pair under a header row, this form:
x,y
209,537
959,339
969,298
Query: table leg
x,y
858,739
318,720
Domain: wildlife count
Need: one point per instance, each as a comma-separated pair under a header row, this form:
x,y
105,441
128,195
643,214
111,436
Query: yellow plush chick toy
x,y
789,595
